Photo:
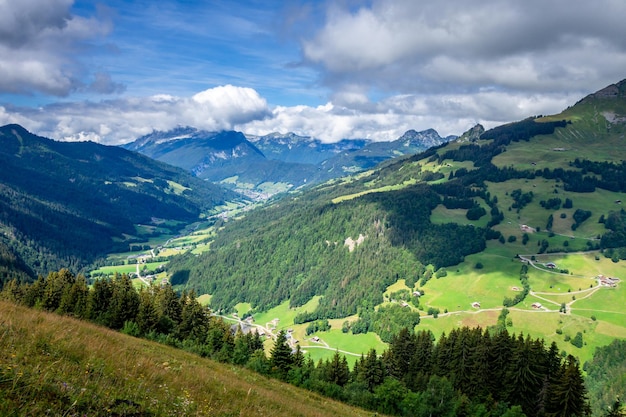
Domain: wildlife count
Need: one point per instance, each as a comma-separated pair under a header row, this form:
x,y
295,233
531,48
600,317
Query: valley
x,y
513,232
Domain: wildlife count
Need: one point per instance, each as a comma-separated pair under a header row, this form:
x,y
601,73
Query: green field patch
x,y
534,215
353,344
441,215
201,248
545,281
274,187
125,269
204,299
188,240
376,190
610,322
395,287
545,325
284,314
169,252
177,188
243,308
447,322
466,284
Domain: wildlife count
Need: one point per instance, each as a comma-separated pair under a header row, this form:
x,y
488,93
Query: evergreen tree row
x,y
157,313
468,372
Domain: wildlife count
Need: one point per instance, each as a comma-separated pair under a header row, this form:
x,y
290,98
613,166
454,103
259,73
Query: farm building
x,y
606,281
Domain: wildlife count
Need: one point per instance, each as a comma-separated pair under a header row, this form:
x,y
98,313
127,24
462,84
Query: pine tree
x,y
98,301
337,370
281,359
242,349
147,313
55,285
373,370
570,391
398,356
12,291
194,324
74,298
526,376
124,302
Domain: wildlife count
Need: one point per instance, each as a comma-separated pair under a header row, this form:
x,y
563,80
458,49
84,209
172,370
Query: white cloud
x,y
39,45
230,105
123,120
437,47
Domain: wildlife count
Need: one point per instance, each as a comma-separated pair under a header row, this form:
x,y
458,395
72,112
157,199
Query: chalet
x,y
476,304
550,265
315,339
404,304
417,294
536,305
607,282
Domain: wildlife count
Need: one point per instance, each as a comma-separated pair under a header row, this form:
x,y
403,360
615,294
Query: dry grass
x,y
53,365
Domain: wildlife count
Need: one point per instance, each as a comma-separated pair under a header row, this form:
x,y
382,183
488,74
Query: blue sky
x,y
112,71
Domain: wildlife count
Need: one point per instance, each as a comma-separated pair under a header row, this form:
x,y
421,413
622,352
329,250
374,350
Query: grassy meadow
x,y
54,365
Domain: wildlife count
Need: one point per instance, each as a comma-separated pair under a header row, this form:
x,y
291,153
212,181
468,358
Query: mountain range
x,y
67,204
263,165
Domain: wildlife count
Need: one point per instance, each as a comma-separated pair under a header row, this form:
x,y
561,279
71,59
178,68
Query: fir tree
x,y
281,359
570,391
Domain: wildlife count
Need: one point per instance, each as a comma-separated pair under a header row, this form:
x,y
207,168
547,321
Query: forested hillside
x,y
520,188
281,253
65,204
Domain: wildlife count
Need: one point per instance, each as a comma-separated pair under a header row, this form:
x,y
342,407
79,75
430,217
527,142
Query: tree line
x,y
467,372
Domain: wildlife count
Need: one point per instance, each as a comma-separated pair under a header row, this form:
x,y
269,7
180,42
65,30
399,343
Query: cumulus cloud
x,y
125,119
437,47
39,45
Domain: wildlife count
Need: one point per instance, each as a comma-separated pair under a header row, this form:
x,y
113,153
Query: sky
x,y
112,71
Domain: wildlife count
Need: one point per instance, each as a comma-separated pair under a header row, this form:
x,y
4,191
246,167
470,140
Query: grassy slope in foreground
x,y
56,365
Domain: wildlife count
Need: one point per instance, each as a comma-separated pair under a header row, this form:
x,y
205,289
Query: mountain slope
x,y
64,204
435,214
55,365
253,162
302,149
373,153
226,157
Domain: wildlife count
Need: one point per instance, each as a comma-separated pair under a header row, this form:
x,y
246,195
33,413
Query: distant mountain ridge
x,y
250,161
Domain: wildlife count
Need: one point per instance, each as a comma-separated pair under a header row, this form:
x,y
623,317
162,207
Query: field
x,y
53,365
596,312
